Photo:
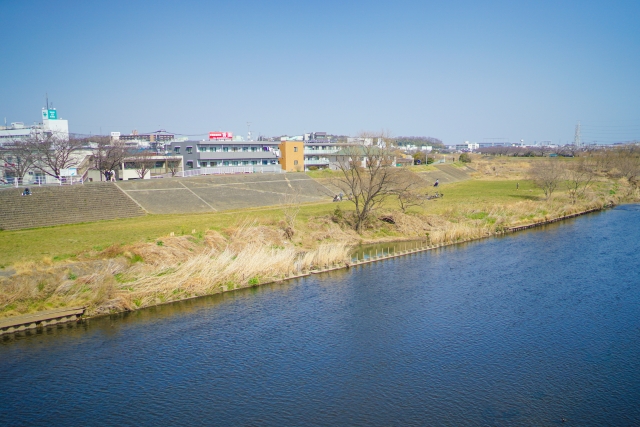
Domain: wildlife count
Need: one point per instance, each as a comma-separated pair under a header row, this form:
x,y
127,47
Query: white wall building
x,y
51,124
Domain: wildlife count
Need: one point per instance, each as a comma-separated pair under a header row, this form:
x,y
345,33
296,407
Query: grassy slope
x,y
64,241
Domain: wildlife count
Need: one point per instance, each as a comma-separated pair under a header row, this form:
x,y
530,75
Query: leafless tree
x,y
108,155
366,175
17,157
547,174
543,150
405,188
54,153
173,166
571,150
143,162
578,177
625,162
501,150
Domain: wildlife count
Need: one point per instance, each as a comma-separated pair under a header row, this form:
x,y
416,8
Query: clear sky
x,y
454,70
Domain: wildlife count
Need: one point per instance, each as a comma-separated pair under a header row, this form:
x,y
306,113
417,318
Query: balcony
x,y
332,150
322,161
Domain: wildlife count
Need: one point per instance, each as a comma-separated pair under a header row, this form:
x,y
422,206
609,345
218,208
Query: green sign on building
x,y
52,115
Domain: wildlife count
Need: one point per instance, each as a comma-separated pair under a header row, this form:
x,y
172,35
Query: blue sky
x,y
454,70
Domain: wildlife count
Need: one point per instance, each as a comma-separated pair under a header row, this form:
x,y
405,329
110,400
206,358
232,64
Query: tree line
x,y
577,176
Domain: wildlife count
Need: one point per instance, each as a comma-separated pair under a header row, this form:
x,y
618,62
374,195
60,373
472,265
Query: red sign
x,y
220,135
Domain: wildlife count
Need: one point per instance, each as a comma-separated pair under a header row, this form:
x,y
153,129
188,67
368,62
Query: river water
x,y
526,329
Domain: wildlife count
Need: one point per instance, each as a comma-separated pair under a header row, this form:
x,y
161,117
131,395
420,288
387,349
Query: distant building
x,y
467,146
493,144
156,165
153,139
219,154
51,125
292,156
317,154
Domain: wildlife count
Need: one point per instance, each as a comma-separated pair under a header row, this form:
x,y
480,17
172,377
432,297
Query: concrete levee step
x,y
57,205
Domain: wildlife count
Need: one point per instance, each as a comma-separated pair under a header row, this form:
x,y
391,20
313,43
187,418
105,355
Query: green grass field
x,y
66,241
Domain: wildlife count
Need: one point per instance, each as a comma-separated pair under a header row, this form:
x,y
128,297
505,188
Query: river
x,y
526,329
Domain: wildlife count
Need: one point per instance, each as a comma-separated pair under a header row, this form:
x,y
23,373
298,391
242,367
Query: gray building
x,y
219,154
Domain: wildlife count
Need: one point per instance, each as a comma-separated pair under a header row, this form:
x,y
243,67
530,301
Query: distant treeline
x,y
419,140
541,151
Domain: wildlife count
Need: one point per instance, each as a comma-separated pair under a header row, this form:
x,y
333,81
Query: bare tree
x,y
366,175
173,166
547,174
54,153
17,158
143,162
578,177
405,188
625,162
108,155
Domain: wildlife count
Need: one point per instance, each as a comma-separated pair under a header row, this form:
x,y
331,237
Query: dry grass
x,y
146,274
253,250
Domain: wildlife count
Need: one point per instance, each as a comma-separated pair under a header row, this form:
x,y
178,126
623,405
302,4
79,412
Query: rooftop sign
x,y
49,114
220,135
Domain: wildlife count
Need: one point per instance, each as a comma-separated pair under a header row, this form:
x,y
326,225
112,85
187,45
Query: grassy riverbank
x,y
128,264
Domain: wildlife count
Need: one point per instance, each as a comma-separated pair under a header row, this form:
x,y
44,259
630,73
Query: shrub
x,y
465,158
337,216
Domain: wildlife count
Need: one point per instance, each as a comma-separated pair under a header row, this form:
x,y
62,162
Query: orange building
x,y
292,156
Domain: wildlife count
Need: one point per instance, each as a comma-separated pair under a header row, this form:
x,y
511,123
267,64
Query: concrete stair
x,y
56,205
446,174
222,192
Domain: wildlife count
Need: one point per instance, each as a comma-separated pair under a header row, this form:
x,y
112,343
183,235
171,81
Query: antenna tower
x,y
576,138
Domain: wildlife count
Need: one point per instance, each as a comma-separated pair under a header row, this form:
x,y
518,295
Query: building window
x,y
189,150
160,164
245,162
254,162
295,163
254,149
225,149
235,163
214,164
176,150
226,163
295,150
190,164
265,162
203,164
245,148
